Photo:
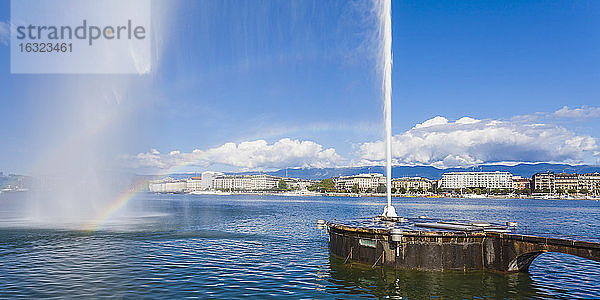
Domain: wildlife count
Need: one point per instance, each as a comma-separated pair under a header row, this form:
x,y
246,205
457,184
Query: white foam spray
x,y
83,123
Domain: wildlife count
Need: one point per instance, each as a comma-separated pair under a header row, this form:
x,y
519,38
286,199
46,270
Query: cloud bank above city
x,y
436,142
306,71
467,141
252,155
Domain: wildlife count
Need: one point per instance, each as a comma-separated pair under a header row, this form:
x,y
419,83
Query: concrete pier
x,y
448,250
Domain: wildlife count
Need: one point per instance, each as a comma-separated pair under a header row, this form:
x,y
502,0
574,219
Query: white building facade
x,y
208,178
245,182
590,182
168,185
413,184
365,182
488,180
193,184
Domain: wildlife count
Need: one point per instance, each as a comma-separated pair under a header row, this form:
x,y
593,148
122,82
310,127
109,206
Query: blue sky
x,y
272,84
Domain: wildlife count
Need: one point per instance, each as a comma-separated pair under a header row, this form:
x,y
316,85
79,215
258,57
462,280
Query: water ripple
x,y
268,247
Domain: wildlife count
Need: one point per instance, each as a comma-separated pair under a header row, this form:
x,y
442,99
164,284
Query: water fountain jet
x,y
385,27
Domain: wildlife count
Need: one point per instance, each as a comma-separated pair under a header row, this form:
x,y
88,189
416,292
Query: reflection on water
x,y
176,246
359,279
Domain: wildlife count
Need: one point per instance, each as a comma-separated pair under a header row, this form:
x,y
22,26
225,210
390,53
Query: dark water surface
x,y
179,246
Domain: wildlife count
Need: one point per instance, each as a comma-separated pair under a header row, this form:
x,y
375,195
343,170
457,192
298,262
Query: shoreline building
x,y
414,184
521,183
551,183
167,185
544,182
566,182
297,183
365,182
245,182
488,180
194,184
219,181
208,178
590,182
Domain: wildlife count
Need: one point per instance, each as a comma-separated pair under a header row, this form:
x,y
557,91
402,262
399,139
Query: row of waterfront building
x,y
545,183
548,183
216,181
448,182
374,182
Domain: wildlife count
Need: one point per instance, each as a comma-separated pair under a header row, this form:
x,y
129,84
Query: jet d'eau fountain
x,y
75,175
385,61
81,124
425,243
87,122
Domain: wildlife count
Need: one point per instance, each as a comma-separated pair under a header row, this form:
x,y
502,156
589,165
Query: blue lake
x,y
180,246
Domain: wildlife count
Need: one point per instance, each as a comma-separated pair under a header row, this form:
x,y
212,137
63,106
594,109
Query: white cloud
x,y
250,155
468,141
582,112
433,122
437,142
467,120
4,33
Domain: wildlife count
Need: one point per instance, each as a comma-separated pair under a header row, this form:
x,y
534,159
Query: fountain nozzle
x,y
389,212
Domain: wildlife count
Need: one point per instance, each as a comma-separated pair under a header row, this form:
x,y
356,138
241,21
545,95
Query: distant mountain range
x,y
524,170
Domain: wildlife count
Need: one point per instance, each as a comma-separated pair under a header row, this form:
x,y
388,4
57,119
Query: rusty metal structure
x,y
470,248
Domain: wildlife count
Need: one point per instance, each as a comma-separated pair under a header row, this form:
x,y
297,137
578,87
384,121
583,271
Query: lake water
x,y
180,246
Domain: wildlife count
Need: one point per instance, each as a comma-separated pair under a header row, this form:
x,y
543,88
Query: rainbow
x,y
120,201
